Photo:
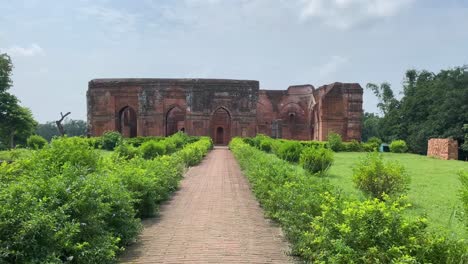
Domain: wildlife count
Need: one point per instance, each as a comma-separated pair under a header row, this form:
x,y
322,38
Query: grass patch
x,y
103,152
5,155
433,189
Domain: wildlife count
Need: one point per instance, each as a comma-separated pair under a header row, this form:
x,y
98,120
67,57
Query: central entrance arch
x,y
221,126
175,120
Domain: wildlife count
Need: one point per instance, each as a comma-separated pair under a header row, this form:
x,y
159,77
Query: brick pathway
x,y
213,218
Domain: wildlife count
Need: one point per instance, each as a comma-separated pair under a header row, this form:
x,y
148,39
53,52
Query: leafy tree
x,y
433,105
370,126
384,93
464,147
17,125
16,122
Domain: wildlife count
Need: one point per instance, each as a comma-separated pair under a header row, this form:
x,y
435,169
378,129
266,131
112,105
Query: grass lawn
x,y
103,152
433,189
5,155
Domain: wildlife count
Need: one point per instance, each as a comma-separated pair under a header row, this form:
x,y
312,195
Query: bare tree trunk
x,y
59,123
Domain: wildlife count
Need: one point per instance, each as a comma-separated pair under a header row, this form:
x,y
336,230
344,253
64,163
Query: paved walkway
x,y
213,218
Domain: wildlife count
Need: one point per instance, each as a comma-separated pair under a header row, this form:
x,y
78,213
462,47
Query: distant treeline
x,y
433,105
72,128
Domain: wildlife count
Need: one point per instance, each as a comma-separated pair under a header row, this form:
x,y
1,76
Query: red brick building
x,y
223,109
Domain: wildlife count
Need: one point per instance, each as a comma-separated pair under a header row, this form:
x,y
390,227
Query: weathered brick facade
x,y
223,109
443,148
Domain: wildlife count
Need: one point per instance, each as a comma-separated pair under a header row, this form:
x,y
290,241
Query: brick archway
x,y
175,120
221,126
127,122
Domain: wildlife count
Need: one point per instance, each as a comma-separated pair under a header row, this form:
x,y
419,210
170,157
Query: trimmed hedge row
x,y
66,203
326,227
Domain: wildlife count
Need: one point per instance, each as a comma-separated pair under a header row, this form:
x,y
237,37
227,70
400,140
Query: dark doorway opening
x,y
220,136
127,122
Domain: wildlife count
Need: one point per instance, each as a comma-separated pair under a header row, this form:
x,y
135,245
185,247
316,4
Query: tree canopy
x,y
433,105
16,122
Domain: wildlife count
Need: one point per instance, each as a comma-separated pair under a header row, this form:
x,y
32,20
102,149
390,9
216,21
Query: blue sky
x,y
58,46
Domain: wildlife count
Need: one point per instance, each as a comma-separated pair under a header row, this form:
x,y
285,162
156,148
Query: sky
x,y
57,47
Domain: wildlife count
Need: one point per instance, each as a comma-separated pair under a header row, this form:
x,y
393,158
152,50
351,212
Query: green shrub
x,y
193,153
375,140
36,142
398,146
110,140
66,204
59,207
315,144
171,146
353,146
249,141
287,192
138,141
265,145
126,150
335,142
373,232
377,179
370,147
94,142
463,176
152,149
290,151
324,227
316,160
65,151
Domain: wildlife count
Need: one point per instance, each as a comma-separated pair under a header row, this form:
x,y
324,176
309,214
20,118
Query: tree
x,y
384,93
71,127
59,123
16,122
389,125
432,105
370,126
17,126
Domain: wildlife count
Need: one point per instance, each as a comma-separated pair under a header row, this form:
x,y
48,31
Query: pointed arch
x,y
221,126
127,122
175,120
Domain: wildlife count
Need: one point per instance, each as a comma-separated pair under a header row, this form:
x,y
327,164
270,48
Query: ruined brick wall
x,y
164,106
222,109
444,148
339,110
286,114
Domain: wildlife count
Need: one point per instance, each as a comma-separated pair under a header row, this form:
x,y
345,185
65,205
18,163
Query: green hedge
x,y
66,203
326,227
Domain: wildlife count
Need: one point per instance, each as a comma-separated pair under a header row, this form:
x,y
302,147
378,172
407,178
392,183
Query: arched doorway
x,y
127,122
175,121
221,126
219,136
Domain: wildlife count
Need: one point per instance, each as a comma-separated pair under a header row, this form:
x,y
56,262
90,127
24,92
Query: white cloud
x,y
118,21
344,14
332,65
33,50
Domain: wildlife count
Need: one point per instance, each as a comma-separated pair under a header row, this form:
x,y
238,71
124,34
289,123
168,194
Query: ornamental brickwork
x,y
223,109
